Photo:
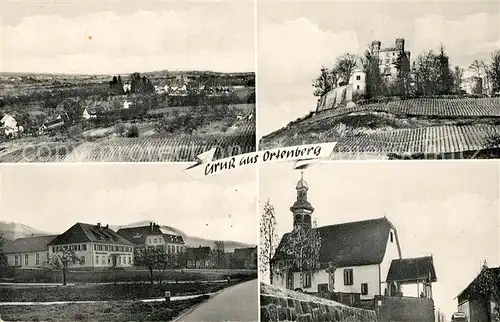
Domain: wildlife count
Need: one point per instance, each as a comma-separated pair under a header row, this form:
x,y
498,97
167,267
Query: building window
x,y
109,260
358,77
154,240
103,259
357,87
95,247
392,237
84,247
82,260
364,288
307,280
119,260
26,259
348,276
130,260
97,259
16,260
37,259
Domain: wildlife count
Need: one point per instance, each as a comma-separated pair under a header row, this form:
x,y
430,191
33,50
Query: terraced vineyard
x,y
429,140
430,107
39,152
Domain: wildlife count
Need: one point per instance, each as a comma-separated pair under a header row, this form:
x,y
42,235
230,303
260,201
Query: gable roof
x,y
350,244
199,253
468,292
82,233
53,123
244,253
412,269
28,244
138,235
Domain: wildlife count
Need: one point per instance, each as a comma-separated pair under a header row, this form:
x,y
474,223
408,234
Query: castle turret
x,y
400,44
376,47
302,208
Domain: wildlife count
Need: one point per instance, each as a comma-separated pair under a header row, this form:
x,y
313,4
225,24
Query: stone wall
x,y
284,305
405,309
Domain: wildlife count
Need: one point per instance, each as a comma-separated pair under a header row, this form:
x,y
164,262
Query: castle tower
x,y
400,44
376,47
302,208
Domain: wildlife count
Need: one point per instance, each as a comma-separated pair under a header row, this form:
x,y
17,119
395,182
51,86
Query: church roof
x,y
350,244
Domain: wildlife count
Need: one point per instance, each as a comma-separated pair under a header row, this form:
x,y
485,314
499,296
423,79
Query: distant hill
x,y
11,231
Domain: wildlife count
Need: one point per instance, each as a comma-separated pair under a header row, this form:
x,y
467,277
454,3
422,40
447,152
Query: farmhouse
x,y
9,125
28,252
199,257
97,246
153,236
245,258
51,125
360,258
477,299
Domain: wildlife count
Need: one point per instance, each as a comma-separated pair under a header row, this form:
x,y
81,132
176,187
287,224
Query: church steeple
x,y
302,208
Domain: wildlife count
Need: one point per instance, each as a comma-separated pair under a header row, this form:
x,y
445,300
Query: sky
x,y
123,36
52,198
295,39
449,210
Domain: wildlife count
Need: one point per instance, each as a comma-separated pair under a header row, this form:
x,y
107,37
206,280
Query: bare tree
x,y
325,82
218,253
300,251
62,259
494,72
150,258
268,239
345,66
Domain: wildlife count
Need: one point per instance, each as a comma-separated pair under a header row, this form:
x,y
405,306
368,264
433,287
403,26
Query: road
x,y
236,303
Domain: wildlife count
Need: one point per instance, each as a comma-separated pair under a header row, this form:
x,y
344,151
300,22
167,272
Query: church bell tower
x,y
302,208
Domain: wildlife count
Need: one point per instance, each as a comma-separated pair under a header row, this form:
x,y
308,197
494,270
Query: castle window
x,y
348,276
364,288
358,77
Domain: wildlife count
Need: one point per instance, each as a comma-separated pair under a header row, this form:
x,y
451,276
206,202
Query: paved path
x,y
173,298
236,303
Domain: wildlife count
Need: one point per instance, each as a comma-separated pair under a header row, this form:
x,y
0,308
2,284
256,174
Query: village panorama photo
x,y
385,80
126,81
380,242
127,242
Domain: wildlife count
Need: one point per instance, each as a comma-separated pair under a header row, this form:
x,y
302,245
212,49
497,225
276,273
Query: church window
x,y
392,237
348,276
364,288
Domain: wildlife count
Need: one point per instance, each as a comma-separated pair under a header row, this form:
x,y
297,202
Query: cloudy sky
x,y
123,36
52,198
447,209
296,39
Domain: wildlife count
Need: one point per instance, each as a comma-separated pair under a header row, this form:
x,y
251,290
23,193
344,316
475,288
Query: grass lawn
x,y
105,292
111,311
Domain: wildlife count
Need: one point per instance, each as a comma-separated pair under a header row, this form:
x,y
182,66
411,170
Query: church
x,y
362,258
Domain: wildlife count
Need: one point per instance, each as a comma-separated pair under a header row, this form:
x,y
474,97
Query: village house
x,y
97,246
476,301
89,113
363,258
9,125
154,236
199,257
28,252
244,258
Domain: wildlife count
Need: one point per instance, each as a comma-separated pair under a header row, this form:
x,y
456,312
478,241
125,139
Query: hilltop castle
x,y
388,56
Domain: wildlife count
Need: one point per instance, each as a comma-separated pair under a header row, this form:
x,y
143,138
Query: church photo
x,y
382,240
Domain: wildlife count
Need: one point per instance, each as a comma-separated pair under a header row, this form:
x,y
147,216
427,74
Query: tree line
x,y
431,74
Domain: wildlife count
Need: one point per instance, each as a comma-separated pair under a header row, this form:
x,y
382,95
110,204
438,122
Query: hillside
x,y
11,231
410,128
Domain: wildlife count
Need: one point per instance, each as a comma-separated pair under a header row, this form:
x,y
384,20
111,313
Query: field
x,y
108,311
112,276
180,126
404,127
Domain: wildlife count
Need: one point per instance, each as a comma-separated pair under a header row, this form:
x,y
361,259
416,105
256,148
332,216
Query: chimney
x,y
150,226
98,225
